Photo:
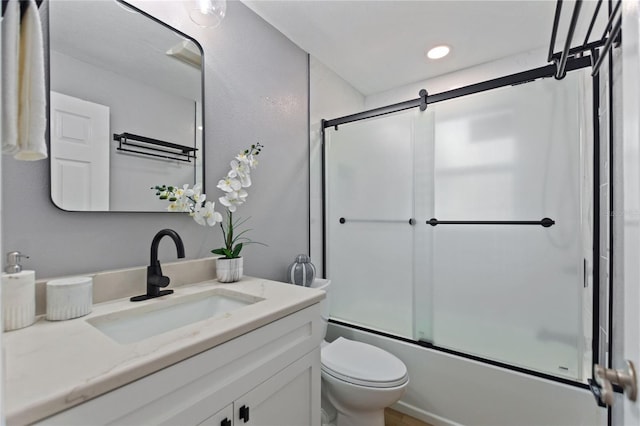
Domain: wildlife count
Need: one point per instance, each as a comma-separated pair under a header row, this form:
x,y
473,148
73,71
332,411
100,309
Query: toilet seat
x,y
363,364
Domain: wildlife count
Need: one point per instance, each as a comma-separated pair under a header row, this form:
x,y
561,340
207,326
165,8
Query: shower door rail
x,y
545,222
509,80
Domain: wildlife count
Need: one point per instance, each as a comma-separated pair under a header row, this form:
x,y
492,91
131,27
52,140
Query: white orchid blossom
x,y
173,207
195,193
234,199
206,215
245,180
241,171
253,163
243,157
192,201
229,184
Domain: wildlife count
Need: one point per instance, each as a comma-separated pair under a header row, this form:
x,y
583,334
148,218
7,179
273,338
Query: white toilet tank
x,y
323,284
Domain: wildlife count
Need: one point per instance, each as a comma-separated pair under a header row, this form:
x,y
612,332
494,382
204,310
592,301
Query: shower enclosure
x,y
464,222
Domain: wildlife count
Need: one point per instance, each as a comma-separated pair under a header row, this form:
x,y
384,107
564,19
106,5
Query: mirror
x,y
125,108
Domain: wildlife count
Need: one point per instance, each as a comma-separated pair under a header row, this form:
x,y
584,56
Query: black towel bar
x,y
171,151
545,222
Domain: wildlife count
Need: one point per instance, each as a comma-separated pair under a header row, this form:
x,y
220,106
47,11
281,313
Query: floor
x,y
396,418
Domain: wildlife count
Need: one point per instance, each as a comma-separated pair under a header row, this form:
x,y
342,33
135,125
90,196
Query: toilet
x,y
358,380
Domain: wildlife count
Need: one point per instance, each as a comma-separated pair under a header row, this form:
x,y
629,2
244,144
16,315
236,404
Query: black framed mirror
x,y
126,107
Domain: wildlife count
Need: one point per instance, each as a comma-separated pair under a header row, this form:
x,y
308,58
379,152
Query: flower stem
x,y
229,242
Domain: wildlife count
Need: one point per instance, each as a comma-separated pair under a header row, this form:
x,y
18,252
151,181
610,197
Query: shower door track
x,y
429,345
509,80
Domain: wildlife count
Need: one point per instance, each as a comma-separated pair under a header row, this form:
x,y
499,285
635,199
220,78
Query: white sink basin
x,y
158,316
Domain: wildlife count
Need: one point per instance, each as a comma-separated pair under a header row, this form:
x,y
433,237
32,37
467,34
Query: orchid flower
x,y
206,215
243,157
229,184
234,199
253,163
241,171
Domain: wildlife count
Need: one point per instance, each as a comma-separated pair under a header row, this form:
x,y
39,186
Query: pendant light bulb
x,y
208,13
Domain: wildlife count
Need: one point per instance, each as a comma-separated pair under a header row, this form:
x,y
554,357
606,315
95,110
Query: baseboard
x,y
425,416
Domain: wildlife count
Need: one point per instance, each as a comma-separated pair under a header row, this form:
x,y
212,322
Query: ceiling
x,y
380,45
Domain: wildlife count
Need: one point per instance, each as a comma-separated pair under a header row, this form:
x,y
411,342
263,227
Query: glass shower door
x,y
511,293
370,201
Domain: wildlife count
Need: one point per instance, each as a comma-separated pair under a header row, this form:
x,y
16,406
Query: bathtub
x,y
448,390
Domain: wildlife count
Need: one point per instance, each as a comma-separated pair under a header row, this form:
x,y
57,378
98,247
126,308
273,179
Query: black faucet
x,y
155,279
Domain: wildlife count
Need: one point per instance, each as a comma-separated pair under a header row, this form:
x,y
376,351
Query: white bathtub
x,y
448,390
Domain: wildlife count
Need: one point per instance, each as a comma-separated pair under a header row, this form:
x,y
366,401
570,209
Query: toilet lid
x,y
362,364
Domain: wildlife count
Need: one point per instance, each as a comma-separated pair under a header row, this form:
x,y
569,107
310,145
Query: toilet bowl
x,y
358,380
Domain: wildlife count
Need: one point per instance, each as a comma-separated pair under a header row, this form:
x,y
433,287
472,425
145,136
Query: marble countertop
x,y
52,366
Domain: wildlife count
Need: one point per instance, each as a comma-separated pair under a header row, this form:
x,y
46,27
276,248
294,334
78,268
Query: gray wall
x,y
255,90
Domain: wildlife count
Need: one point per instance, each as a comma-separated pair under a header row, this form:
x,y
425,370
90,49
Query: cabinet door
x,y
290,398
223,417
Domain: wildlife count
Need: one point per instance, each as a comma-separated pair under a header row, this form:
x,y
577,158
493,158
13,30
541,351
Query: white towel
x,y
10,77
32,118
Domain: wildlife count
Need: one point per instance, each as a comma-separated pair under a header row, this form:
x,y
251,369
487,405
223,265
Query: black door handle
x,y
244,413
225,422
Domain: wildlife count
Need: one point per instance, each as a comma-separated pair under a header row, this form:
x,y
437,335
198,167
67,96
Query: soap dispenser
x,y
18,293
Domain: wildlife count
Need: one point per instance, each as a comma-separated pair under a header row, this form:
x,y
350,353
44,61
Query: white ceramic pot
x,y
229,270
69,298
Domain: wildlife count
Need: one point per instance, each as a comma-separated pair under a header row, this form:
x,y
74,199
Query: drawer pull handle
x,y
244,413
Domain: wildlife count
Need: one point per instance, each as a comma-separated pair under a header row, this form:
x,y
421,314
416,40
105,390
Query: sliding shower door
x,y
511,293
371,241
495,283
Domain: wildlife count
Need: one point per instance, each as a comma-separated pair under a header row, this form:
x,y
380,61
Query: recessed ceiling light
x,y
438,52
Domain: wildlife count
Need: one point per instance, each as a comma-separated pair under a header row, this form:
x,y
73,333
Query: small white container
x,y
18,299
69,298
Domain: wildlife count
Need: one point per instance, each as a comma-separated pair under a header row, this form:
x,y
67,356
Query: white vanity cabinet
x,y
221,418
286,399
269,376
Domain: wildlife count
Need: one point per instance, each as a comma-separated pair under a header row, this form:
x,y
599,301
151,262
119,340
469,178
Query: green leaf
x,y
237,249
228,253
219,251
163,197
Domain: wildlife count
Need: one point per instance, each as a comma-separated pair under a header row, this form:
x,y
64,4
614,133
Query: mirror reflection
x,y
126,107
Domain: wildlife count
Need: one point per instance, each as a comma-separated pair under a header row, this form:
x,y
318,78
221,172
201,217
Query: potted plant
x,y
229,267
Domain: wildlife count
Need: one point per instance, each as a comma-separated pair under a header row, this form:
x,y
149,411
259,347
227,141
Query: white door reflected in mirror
x,y
79,154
